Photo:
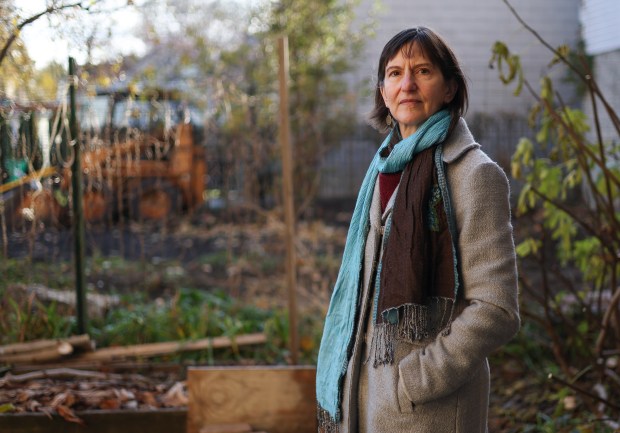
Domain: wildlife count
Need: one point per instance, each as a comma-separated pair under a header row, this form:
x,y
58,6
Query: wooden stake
x,y
287,190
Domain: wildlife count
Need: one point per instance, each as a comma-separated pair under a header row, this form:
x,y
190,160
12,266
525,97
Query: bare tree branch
x,y
50,10
584,392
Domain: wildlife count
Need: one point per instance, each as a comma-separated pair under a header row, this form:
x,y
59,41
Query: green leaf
x,y
563,52
527,199
501,56
527,247
7,407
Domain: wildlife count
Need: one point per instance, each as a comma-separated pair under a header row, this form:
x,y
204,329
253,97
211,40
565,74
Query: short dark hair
x,y
439,53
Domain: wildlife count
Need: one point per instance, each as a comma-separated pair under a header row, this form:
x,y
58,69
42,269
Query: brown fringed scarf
x,y
417,275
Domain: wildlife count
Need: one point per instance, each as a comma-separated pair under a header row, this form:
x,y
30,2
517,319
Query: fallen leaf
x,y
8,407
570,402
176,395
24,395
69,415
58,400
149,399
32,406
125,395
47,411
133,404
109,404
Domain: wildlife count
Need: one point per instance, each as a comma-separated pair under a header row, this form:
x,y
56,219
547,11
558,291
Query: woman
x,y
428,282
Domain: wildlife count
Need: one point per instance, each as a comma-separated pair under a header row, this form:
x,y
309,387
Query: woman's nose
x,y
408,82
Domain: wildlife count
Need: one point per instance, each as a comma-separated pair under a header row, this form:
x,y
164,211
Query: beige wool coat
x,y
442,385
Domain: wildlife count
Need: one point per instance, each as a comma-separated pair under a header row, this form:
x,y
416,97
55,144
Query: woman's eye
x,y
424,71
393,74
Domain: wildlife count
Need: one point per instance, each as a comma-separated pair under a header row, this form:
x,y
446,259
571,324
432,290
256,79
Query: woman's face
x,y
414,89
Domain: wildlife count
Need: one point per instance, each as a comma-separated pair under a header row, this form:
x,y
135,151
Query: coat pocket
x,y
404,404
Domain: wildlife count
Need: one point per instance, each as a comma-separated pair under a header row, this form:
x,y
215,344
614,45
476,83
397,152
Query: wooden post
x,y
287,190
78,211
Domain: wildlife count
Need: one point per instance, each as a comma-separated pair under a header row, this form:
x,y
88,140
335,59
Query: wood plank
x,y
55,373
277,399
165,348
54,353
227,428
82,341
98,421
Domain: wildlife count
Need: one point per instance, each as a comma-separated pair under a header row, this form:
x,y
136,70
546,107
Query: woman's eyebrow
x,y
417,65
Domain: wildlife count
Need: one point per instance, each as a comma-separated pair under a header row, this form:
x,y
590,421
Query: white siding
x,y
606,67
600,20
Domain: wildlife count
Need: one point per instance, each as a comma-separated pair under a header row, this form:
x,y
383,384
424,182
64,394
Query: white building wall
x,y
606,68
600,20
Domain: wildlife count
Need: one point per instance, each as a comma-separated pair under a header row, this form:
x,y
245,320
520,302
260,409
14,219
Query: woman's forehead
x,y
409,51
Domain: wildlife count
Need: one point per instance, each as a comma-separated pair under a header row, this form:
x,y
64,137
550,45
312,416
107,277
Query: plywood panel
x,y
274,399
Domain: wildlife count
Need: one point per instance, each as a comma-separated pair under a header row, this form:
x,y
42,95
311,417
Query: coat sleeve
x,y
489,283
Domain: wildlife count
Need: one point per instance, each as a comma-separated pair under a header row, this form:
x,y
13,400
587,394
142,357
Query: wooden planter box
x,y
272,399
99,421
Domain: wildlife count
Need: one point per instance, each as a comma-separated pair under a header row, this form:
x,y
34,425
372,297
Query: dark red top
x,y
387,184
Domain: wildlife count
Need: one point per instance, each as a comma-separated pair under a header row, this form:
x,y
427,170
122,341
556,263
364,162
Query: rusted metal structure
x,y
140,170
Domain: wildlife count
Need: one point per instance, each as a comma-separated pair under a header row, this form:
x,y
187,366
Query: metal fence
x,y
343,169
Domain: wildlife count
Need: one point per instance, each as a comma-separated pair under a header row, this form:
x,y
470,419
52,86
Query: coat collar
x,y
460,142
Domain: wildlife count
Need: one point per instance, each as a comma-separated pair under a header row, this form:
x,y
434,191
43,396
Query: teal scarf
x,y
337,340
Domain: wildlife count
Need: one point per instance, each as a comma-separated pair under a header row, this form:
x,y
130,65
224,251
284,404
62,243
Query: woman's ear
x,y
451,89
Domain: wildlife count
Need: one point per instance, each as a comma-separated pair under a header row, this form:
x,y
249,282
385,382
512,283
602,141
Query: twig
x,y
599,137
56,373
583,162
587,78
606,321
613,375
581,222
555,339
584,392
577,139
32,19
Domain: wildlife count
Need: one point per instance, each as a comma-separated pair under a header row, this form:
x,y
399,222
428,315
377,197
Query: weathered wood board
x,y
276,399
98,421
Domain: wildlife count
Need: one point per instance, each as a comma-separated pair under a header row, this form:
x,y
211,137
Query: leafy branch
x,y
560,56
571,190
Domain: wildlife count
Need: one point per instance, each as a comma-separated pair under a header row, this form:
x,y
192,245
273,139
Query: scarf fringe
x,y
327,423
415,323
381,347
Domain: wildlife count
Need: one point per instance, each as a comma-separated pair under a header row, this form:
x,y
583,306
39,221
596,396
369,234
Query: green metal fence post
x,y
5,148
78,212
